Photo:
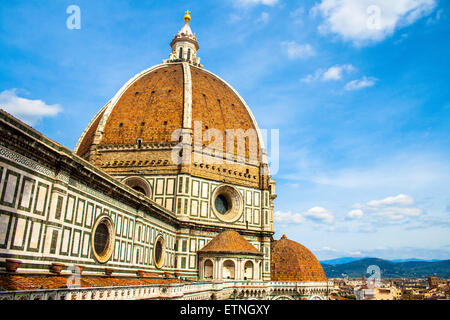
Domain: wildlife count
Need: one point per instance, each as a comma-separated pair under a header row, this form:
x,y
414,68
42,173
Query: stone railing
x,y
188,291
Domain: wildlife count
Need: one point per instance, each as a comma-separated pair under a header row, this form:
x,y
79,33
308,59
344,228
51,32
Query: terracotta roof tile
x,y
89,137
229,242
150,109
218,107
33,282
290,261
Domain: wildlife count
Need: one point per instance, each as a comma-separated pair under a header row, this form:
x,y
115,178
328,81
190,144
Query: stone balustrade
x,y
188,291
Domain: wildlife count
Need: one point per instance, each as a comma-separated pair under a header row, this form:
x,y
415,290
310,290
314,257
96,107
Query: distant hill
x,y
351,259
340,260
414,259
389,269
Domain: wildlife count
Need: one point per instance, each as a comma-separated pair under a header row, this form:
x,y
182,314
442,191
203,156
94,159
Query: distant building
x,y
433,282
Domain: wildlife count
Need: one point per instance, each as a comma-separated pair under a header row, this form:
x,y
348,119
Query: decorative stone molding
x,y
15,157
186,291
159,261
107,225
139,182
234,200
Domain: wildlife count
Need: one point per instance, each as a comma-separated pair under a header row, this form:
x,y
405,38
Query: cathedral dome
x,y
290,261
162,99
178,118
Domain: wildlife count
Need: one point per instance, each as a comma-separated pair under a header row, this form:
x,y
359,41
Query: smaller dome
x,y
290,261
230,242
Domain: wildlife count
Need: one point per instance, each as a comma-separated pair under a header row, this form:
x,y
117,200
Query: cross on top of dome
x,y
187,17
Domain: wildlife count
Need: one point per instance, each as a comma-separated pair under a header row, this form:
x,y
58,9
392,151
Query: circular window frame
x,y
234,199
159,264
107,253
136,181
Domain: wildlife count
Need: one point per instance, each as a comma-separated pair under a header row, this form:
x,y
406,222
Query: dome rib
x,y
118,96
155,103
249,113
150,109
87,138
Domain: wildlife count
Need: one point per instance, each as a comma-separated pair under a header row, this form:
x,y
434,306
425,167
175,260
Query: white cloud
x,y
367,21
335,72
319,214
367,228
394,207
295,50
397,213
297,15
263,18
315,214
234,18
288,217
355,214
244,3
387,211
401,199
326,252
325,249
313,77
30,111
429,171
436,18
361,83
357,206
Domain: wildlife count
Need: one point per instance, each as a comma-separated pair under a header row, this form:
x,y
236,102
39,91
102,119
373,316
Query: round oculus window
x,y
158,252
227,203
221,204
103,239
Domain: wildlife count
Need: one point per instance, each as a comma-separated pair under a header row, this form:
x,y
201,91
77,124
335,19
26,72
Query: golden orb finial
x,y
187,16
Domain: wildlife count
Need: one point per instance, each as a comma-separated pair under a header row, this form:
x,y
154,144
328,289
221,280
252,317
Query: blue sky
x,y
359,90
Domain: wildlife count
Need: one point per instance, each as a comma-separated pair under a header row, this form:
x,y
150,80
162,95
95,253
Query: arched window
x,y
228,270
139,189
181,53
248,270
208,269
139,184
189,54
